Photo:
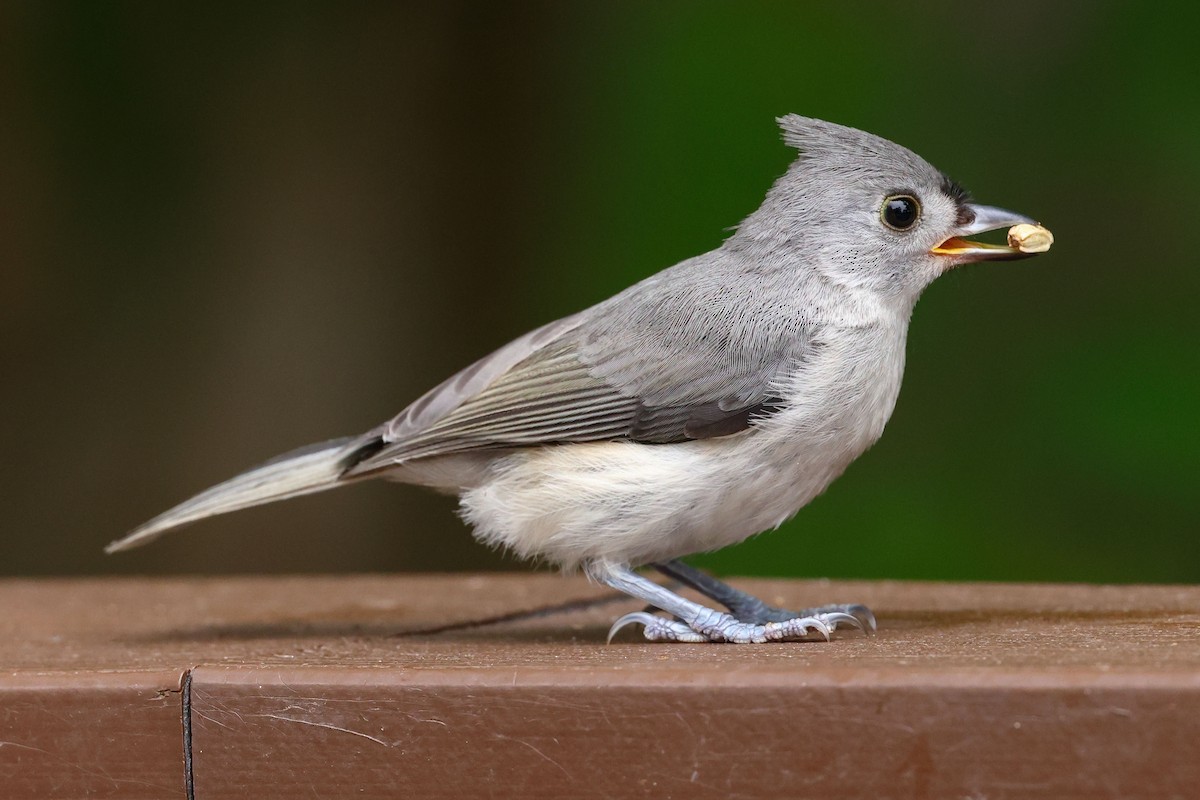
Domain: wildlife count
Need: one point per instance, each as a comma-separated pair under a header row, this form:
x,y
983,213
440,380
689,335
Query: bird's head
x,y
870,214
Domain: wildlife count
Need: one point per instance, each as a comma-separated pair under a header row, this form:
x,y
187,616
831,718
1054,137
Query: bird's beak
x,y
987,218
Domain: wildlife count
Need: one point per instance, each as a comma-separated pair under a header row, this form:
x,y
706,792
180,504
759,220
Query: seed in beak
x,y
1030,238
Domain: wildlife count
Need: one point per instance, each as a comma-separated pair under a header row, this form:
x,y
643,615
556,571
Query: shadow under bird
x,y
705,404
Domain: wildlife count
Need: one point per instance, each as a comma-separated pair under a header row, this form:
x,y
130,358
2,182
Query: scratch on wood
x,y
26,747
534,749
325,725
431,720
213,720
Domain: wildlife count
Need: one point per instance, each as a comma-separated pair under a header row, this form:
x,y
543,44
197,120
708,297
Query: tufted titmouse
x,y
694,409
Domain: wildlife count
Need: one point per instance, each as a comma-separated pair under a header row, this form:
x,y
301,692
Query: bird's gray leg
x,y
742,605
748,608
696,623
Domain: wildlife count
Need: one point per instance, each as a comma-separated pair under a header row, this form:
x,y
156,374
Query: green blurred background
x,y
227,231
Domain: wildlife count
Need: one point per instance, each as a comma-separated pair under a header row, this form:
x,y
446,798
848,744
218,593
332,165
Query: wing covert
x,y
621,370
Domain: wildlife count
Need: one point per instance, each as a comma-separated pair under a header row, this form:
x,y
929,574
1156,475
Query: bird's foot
x,y
864,617
748,608
717,626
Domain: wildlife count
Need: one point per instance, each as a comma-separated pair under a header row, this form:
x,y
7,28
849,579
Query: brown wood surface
x,y
502,686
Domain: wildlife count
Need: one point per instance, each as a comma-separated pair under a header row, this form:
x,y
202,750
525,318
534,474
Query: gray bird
x,y
705,404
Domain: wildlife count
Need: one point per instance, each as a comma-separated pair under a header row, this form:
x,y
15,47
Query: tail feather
x,y
304,471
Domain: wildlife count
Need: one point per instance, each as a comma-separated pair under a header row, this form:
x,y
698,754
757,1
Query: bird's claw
x,y
865,617
656,628
834,618
862,617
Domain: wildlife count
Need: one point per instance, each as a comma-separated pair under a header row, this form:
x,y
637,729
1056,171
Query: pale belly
x,y
635,503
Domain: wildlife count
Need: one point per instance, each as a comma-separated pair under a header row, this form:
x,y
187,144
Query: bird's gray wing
x,y
580,380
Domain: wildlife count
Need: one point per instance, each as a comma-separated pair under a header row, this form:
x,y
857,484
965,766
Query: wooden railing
x,y
502,686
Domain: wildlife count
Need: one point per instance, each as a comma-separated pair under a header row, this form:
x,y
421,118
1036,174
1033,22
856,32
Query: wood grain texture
x,y
385,686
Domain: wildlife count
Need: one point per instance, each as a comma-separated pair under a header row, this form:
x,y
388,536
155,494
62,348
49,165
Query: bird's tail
x,y
304,471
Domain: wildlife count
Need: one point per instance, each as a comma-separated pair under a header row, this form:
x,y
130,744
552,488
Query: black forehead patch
x,y
954,190
961,197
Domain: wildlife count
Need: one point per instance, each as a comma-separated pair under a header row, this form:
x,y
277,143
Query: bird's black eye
x,y
900,212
